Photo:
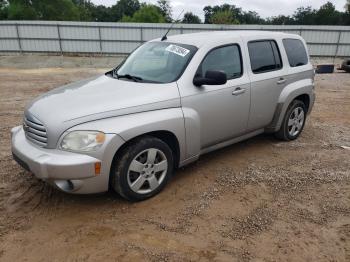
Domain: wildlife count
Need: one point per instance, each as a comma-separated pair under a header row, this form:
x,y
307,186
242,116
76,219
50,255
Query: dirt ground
x,y
259,200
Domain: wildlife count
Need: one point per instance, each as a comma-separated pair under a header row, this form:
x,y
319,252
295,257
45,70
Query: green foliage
x,y
133,10
3,9
225,10
238,15
43,10
146,14
100,13
165,9
249,17
190,18
305,15
124,8
21,10
280,20
223,17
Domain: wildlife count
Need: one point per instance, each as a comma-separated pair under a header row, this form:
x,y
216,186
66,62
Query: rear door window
x,y
296,52
264,56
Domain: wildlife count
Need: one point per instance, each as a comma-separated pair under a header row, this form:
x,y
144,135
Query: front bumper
x,y
68,171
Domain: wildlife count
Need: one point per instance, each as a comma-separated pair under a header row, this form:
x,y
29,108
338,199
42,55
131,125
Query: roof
x,y
202,38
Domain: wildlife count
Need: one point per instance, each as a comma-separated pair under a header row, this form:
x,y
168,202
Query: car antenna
x,y
172,24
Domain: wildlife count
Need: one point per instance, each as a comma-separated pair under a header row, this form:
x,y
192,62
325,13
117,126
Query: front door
x,y
223,110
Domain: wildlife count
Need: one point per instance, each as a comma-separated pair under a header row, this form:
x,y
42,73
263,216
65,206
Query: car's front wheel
x,y
142,169
293,121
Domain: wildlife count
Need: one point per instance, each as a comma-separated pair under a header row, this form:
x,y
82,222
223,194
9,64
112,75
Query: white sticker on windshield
x,y
177,50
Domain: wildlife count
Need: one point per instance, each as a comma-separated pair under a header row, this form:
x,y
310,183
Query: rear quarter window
x,y
296,52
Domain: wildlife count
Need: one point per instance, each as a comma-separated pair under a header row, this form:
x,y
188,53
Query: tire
x,y
142,169
346,66
294,119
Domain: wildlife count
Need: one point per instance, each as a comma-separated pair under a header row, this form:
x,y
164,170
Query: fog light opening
x,y
69,185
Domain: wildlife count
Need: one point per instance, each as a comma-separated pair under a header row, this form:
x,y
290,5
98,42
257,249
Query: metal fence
x,y
122,38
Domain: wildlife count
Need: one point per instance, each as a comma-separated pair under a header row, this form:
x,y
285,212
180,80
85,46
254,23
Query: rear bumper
x,y
312,102
70,172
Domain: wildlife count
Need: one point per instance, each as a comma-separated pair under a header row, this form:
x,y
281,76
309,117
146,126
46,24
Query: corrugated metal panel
x,y
321,37
94,37
81,47
40,45
345,38
322,50
29,31
8,31
119,48
79,32
120,34
9,45
344,50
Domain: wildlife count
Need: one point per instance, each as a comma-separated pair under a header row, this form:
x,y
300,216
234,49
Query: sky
x,y
265,8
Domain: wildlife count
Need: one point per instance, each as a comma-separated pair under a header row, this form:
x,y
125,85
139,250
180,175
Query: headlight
x,y
84,141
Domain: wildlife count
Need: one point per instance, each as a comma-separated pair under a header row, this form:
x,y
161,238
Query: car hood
x,y
96,98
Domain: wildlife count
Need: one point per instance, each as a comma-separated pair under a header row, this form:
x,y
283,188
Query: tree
x,y
166,10
43,10
223,17
305,16
124,8
84,9
100,13
250,17
21,10
147,14
328,15
231,12
190,18
347,6
280,20
3,9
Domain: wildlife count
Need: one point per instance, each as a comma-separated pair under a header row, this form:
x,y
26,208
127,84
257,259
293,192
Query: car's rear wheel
x,y
293,121
142,169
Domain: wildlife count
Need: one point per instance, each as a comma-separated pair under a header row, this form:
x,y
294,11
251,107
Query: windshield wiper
x,y
128,76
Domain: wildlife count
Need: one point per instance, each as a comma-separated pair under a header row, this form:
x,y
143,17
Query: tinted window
x,y
226,58
296,52
264,56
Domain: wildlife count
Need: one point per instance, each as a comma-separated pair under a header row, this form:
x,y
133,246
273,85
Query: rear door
x,y
268,78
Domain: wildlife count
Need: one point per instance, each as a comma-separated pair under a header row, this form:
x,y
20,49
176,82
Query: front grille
x,y
35,131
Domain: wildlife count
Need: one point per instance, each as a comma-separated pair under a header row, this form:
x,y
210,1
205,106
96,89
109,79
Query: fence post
x,y
337,48
300,31
18,39
100,39
141,34
59,38
181,30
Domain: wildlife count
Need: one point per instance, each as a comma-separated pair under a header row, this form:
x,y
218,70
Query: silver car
x,y
168,103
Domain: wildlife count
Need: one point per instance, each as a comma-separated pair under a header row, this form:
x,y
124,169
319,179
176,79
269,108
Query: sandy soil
x,y
259,200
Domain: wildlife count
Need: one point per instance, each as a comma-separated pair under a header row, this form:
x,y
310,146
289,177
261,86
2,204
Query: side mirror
x,y
212,77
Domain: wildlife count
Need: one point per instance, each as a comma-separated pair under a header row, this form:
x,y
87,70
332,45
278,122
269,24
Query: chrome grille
x,y
35,131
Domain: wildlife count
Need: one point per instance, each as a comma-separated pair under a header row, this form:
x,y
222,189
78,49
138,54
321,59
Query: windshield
x,y
158,62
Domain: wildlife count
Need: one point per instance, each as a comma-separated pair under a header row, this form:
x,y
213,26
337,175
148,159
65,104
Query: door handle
x,y
281,81
238,91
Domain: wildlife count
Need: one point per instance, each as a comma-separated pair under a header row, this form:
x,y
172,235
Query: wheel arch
x,y
291,93
166,136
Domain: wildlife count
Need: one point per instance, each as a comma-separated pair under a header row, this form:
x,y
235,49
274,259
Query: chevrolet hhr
x,y
171,100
